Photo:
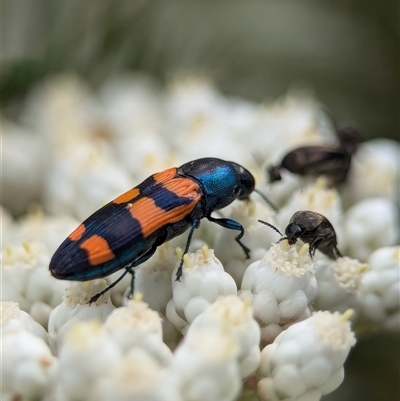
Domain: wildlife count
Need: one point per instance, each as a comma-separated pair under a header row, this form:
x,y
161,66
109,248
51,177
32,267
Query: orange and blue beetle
x,y
127,231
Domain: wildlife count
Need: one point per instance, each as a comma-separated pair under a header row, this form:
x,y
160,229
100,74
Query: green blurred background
x,y
345,51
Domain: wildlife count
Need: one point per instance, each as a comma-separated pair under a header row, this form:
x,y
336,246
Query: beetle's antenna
x,y
272,226
272,205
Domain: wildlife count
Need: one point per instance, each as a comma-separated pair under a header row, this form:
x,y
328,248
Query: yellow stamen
x,y
362,268
246,304
321,183
149,160
26,247
186,261
304,249
179,252
251,208
285,245
162,251
347,315
330,199
205,252
396,254
8,250
137,298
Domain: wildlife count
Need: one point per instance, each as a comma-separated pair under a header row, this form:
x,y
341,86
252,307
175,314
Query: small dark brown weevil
x,y
331,161
312,228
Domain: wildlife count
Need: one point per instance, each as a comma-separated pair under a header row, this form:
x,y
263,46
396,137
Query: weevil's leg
x,y
336,253
313,246
128,269
330,250
195,225
233,225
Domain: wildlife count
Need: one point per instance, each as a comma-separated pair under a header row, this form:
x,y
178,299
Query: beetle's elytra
x,y
332,161
127,231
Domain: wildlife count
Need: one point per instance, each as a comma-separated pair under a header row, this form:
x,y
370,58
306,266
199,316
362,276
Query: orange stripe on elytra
x,y
165,175
77,233
183,187
151,217
98,250
128,196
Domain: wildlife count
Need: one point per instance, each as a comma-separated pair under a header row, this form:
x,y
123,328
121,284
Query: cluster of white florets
x,y
199,338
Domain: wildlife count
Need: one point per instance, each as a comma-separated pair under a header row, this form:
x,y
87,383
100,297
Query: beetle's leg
x,y
195,225
128,269
97,296
232,225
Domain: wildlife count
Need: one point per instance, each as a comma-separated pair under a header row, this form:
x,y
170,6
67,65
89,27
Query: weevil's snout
x,y
293,232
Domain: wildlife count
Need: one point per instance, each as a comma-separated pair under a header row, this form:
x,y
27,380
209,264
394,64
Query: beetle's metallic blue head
x,y
222,181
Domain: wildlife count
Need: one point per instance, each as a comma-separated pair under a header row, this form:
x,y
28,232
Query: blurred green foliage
x,y
346,51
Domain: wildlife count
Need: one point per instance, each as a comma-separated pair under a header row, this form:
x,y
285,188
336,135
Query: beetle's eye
x,y
237,190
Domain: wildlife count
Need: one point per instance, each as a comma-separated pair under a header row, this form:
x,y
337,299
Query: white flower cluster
x,y
282,286
199,338
306,360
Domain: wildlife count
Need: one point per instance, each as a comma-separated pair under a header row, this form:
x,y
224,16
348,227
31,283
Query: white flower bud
x,y
380,287
86,355
49,230
228,250
137,378
75,306
374,171
281,191
23,167
153,278
131,103
206,364
318,198
306,360
86,172
338,284
281,286
202,282
144,152
9,229
13,318
28,368
197,117
138,326
369,225
26,278
234,317
294,120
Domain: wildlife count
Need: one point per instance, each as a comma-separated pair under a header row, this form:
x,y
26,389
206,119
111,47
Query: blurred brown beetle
x,y
331,161
312,228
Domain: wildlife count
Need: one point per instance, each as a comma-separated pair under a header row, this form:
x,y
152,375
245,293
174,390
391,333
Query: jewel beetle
x,y
312,228
331,161
127,231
